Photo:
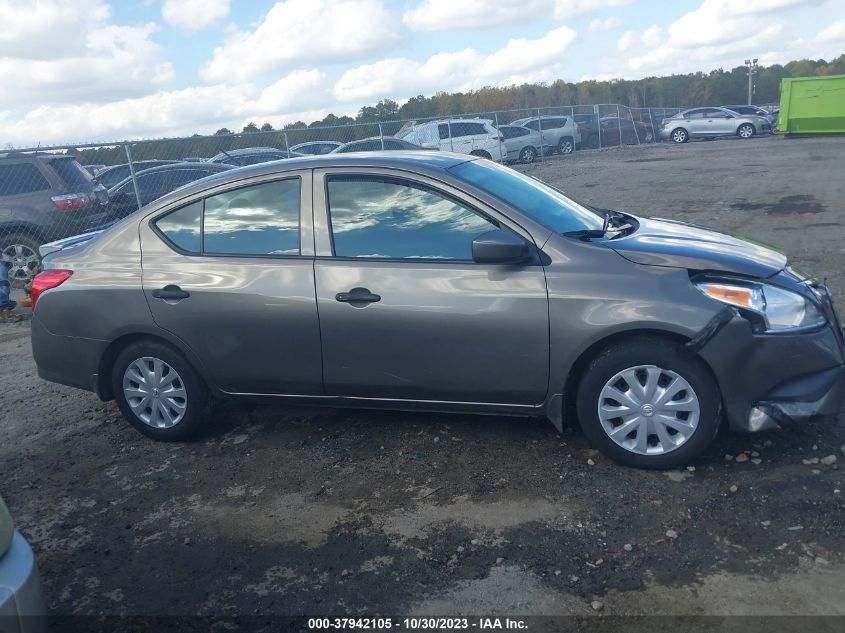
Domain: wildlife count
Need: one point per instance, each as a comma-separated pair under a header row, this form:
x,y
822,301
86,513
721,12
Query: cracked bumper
x,y
772,380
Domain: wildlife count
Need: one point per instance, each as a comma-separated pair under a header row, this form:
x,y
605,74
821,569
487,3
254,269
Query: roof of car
x,y
416,160
217,167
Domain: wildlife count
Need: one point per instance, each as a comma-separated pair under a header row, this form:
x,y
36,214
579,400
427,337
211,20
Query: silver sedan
x,y
710,123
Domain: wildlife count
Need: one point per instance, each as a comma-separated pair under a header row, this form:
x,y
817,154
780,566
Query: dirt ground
x,y
304,511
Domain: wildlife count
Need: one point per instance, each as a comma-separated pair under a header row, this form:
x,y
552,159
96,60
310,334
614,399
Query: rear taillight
x,y
46,280
71,201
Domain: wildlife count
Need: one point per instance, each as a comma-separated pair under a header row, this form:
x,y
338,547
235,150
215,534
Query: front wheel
x,y
746,130
647,403
528,155
158,391
565,145
680,135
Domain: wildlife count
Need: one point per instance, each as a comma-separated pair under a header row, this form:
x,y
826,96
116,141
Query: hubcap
x,y
678,137
566,147
648,410
528,155
21,261
745,131
155,392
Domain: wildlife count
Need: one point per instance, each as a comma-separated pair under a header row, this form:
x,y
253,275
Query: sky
x,y
75,71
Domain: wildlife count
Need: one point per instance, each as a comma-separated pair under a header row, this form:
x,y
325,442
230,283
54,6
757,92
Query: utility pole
x,y
751,64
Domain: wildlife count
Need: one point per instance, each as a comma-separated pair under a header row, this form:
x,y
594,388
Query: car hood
x,y
658,242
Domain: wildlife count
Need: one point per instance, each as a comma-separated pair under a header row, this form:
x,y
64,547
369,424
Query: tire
x,y
593,141
649,137
528,154
657,362
679,135
193,396
565,145
746,130
19,252
481,153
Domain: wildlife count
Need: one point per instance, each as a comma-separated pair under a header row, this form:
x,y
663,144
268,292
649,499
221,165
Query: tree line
x,y
718,87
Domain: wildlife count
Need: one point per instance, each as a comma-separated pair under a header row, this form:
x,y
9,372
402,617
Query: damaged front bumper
x,y
772,380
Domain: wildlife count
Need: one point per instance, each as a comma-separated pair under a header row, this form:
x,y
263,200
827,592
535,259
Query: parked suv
x,y
477,137
43,197
560,133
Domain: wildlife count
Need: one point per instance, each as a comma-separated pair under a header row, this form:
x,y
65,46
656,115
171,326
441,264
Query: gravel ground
x,y
303,511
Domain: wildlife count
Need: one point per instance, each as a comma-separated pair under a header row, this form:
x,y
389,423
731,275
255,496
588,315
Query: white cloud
x,y
568,9
519,61
833,33
301,88
57,51
438,15
631,41
194,15
296,33
598,25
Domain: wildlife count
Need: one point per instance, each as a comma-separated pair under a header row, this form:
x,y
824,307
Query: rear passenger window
x,y
258,220
183,227
19,178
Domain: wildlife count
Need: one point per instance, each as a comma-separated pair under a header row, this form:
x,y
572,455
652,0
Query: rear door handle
x,y
171,293
357,295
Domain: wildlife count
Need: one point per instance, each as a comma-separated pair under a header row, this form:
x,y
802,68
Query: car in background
x,y
43,197
752,110
710,123
22,605
316,147
249,156
477,137
560,133
622,131
93,169
110,176
588,126
522,143
378,144
156,182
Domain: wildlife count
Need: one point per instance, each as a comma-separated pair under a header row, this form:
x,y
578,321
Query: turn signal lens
x,y
730,294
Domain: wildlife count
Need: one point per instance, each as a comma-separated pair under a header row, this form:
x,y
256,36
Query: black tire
x,y
664,354
19,275
196,400
528,154
746,130
565,145
481,153
593,141
679,135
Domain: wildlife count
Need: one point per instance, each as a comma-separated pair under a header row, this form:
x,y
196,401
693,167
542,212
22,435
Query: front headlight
x,y
780,309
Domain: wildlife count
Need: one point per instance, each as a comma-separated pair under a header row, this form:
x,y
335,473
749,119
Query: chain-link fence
x,y
56,192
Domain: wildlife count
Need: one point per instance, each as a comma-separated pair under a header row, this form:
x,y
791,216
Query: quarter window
x,y
388,218
19,178
183,227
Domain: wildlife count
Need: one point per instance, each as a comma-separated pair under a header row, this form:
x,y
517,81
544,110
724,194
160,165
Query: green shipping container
x,y
812,105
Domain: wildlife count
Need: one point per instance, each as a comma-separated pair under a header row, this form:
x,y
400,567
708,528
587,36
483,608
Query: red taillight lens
x,y
70,201
46,280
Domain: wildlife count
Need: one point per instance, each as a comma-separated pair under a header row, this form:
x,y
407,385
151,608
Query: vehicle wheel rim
x,y
648,410
745,131
566,147
678,137
155,392
21,261
649,137
528,155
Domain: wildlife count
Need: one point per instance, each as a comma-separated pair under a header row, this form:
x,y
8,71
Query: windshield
x,y
544,204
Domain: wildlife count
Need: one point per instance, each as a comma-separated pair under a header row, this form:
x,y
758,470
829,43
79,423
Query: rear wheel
x,y
528,155
565,145
158,391
746,130
647,403
679,135
19,252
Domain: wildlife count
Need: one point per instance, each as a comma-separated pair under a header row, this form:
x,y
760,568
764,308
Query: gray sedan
x,y
441,282
710,123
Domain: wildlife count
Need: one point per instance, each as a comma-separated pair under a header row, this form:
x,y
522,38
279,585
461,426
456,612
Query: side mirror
x,y
499,247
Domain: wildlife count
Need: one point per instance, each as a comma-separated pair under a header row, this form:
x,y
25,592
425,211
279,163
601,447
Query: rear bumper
x,y
22,606
67,360
772,380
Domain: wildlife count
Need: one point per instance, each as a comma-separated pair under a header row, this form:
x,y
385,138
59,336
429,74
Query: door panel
x,y
441,329
251,320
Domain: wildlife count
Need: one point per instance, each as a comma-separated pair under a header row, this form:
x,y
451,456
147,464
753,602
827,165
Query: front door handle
x,y
357,295
171,293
